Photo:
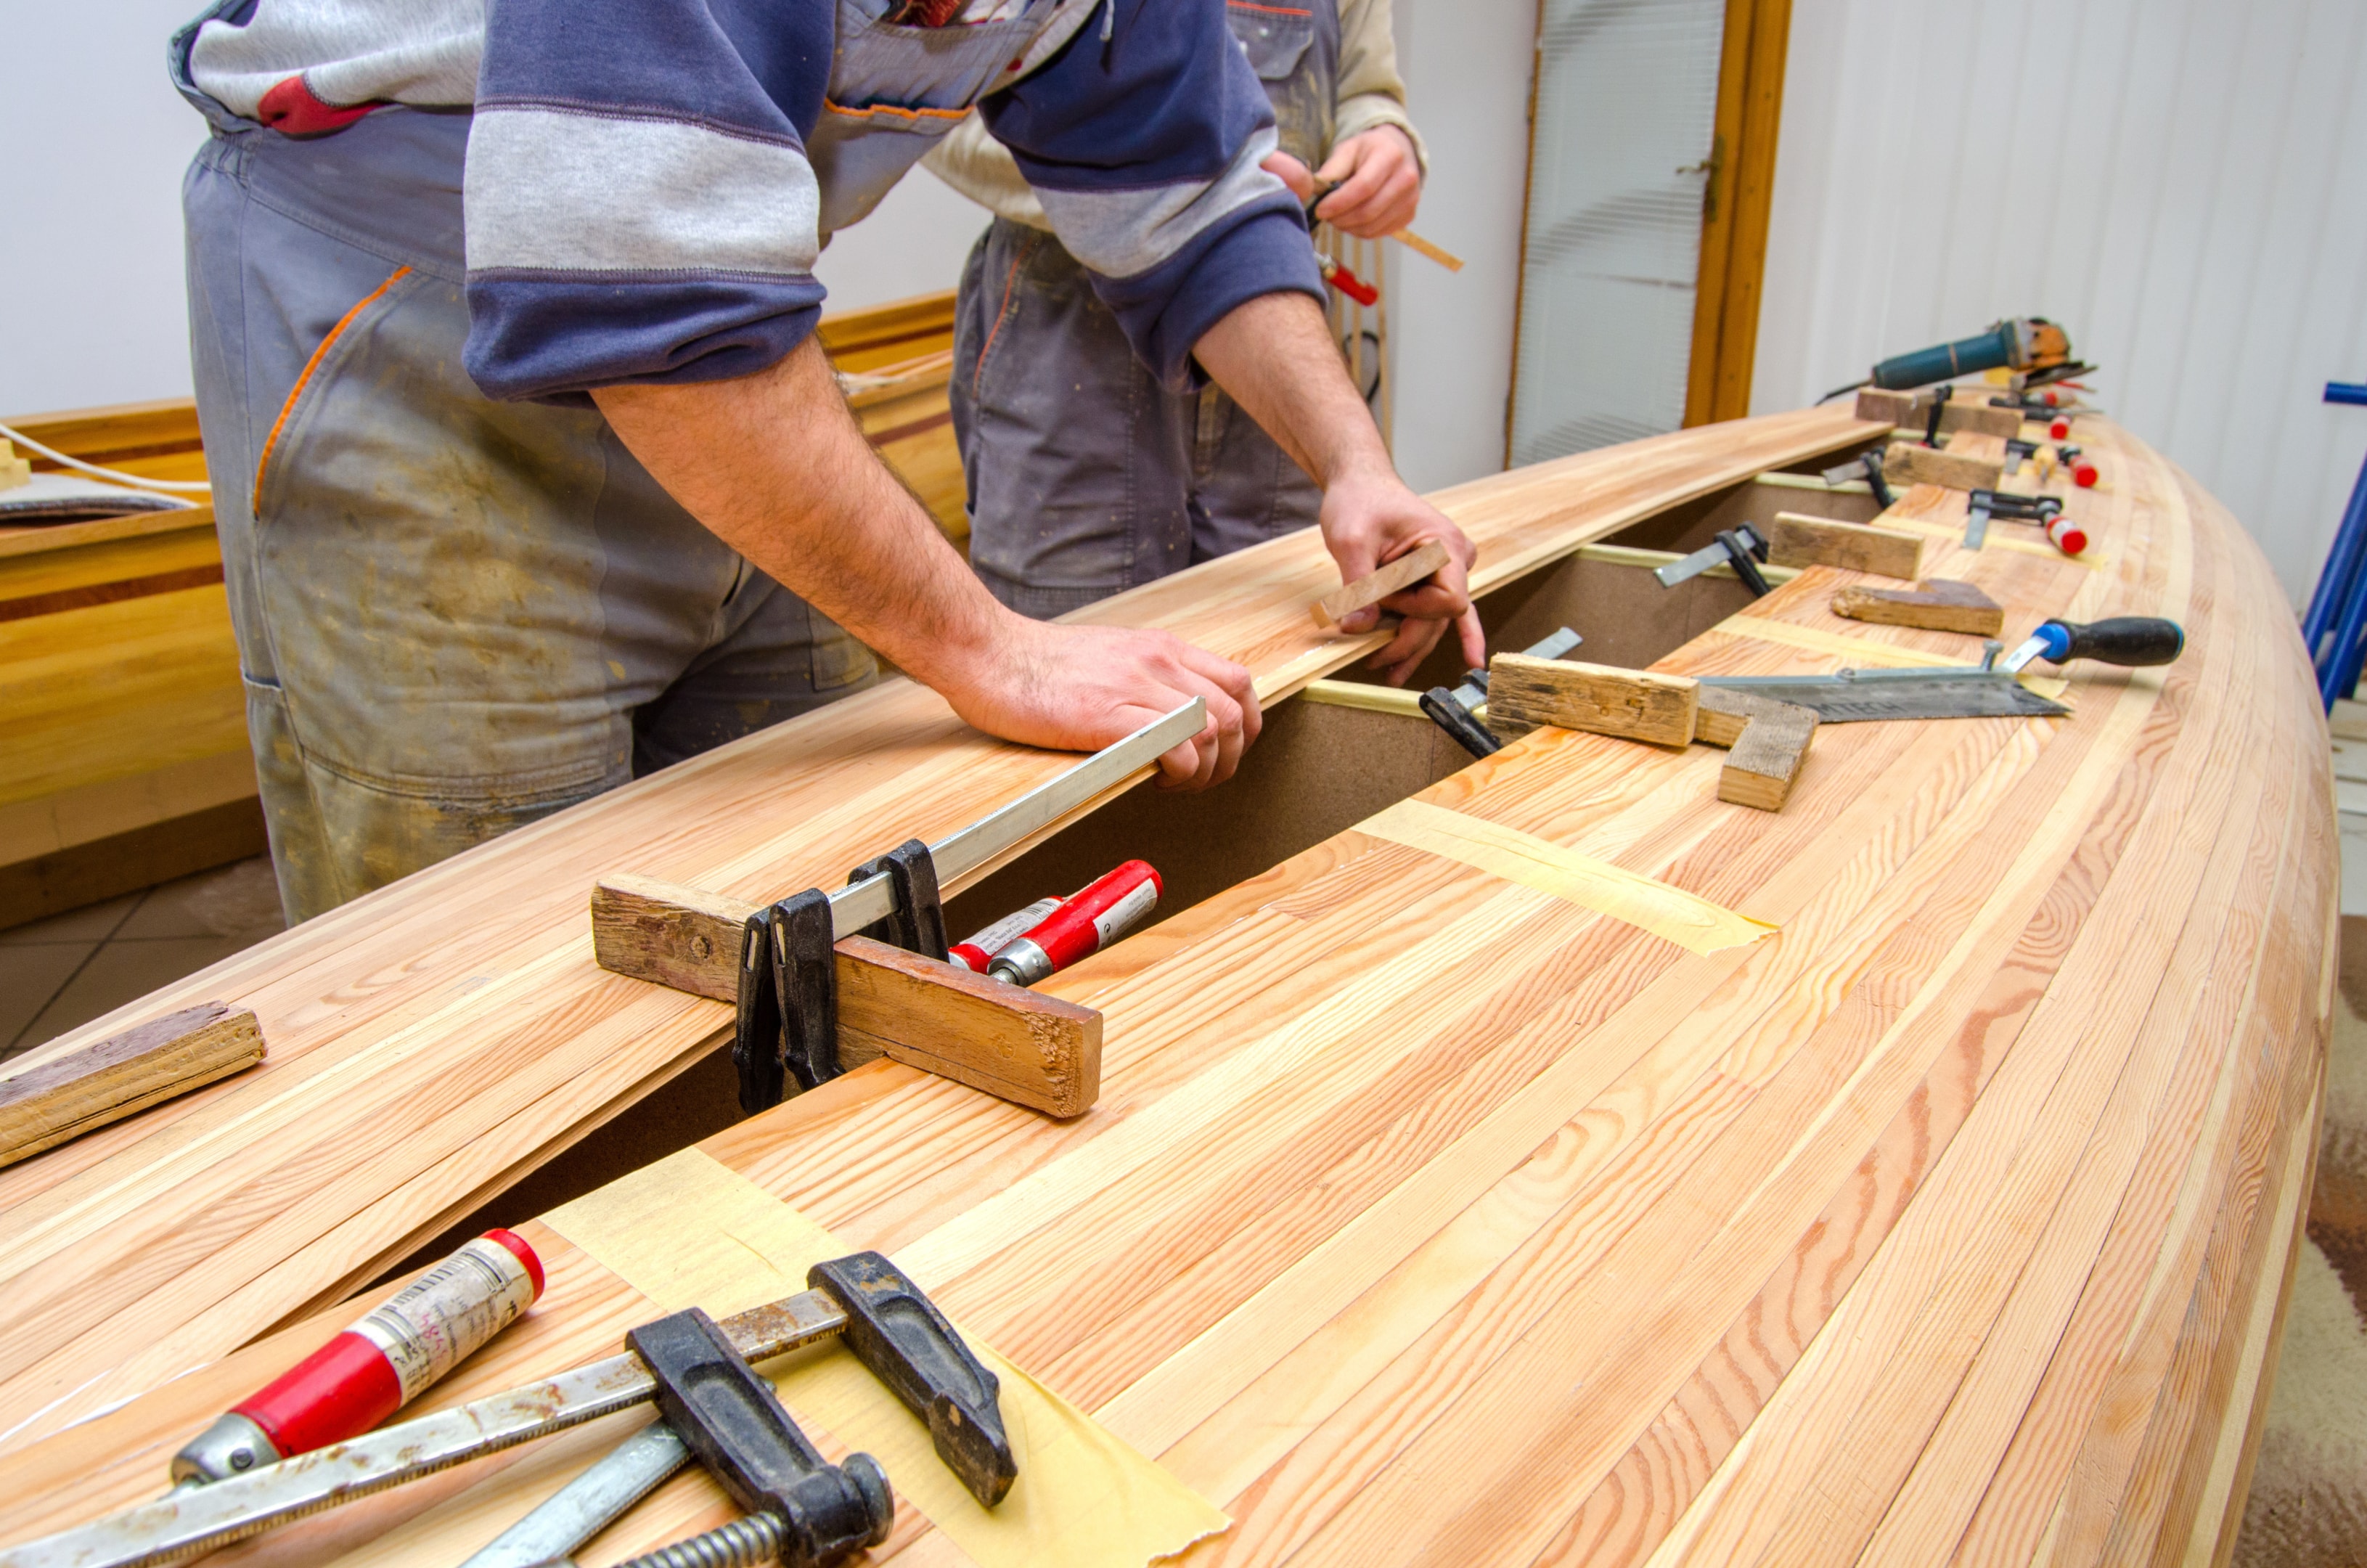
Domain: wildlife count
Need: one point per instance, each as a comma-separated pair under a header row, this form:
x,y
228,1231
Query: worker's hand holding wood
x,y
1371,521
775,466
1276,355
1083,687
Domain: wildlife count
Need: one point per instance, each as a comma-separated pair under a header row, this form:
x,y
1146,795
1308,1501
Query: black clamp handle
x,y
899,1333
917,923
734,1423
1746,548
1459,722
1875,482
787,1022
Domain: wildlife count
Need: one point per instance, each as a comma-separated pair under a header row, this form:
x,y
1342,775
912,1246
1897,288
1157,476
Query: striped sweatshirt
x,y
648,183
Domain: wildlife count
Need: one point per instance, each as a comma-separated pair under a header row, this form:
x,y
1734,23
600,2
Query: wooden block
x,y
1768,741
1797,540
1905,463
1406,570
1901,408
1981,419
1033,1051
1525,694
1039,1051
1939,605
14,470
1912,411
68,1095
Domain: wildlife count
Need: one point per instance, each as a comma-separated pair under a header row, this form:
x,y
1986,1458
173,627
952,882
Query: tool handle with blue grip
x,y
1986,351
2125,640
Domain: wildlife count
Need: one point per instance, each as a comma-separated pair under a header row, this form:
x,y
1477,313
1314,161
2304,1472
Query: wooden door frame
x,y
1734,208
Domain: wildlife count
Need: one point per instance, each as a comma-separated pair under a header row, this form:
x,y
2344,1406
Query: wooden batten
x,y
1009,1041
1768,741
1525,694
1938,604
65,1096
1907,463
1373,588
1797,540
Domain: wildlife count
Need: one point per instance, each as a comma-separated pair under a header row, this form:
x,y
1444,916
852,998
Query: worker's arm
x,y
775,464
1276,355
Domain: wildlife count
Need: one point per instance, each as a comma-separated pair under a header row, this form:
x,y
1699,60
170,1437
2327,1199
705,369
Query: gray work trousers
x,y
454,616
1085,475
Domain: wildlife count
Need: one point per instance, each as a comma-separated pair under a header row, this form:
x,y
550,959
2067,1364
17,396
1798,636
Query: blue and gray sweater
x,y
648,183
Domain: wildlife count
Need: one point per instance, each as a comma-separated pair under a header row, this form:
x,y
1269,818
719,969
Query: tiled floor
x,y
66,970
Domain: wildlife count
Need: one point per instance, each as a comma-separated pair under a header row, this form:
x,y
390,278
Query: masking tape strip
x,y
689,1231
1863,652
1691,922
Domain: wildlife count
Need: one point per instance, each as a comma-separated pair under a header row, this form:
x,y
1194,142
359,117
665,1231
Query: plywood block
x,y
1404,572
1034,1050
1941,604
1768,741
14,471
1796,541
1905,463
68,1095
1525,694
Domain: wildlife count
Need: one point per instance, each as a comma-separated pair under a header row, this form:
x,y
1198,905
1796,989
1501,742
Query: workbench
x,y
1427,1214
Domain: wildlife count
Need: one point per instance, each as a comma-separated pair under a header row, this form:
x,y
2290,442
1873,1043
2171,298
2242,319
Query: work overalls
x,y
456,615
1086,476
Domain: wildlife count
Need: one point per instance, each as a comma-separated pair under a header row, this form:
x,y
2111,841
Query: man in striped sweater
x,y
530,474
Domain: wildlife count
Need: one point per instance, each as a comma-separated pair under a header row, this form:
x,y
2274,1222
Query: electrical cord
x,y
167,486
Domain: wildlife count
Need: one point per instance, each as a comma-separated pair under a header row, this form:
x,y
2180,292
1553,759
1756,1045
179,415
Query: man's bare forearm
x,y
1276,358
777,466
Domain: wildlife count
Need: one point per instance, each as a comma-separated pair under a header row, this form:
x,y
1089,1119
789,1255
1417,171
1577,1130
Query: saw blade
x,y
1841,700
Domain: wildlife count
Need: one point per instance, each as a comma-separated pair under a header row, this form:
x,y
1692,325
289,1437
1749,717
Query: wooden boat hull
x,y
1428,1214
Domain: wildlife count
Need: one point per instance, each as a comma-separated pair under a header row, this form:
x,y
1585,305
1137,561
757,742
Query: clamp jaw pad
x,y
899,1333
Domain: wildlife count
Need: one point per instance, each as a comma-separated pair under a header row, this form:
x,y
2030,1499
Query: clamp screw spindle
x,y
742,1543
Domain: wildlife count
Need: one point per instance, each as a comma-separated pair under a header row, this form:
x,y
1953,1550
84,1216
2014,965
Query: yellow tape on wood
x,y
1863,652
1691,922
689,1231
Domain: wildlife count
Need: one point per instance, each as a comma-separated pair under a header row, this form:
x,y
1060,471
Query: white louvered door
x,y
1627,100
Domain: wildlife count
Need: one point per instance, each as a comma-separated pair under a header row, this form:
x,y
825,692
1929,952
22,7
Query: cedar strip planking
x,y
1392,1155
470,978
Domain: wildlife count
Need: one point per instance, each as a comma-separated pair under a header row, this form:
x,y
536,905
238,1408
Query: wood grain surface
x,y
1427,1217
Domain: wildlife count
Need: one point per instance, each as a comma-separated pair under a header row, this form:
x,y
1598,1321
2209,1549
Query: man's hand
x,y
777,467
1378,182
1083,687
1276,358
1369,520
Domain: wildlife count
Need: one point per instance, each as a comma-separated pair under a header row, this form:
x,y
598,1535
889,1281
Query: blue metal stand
x,y
2337,607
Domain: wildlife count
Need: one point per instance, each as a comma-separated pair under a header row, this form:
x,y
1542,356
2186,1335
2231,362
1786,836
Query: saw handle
x,y
2126,640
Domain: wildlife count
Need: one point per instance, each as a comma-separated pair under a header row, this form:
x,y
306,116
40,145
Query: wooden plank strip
x,y
65,1096
1373,586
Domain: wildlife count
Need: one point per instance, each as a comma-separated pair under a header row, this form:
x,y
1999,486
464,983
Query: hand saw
x,y
1987,690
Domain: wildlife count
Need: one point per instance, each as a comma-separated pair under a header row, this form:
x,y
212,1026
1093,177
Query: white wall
x,y
92,306
1466,66
95,306
2181,183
